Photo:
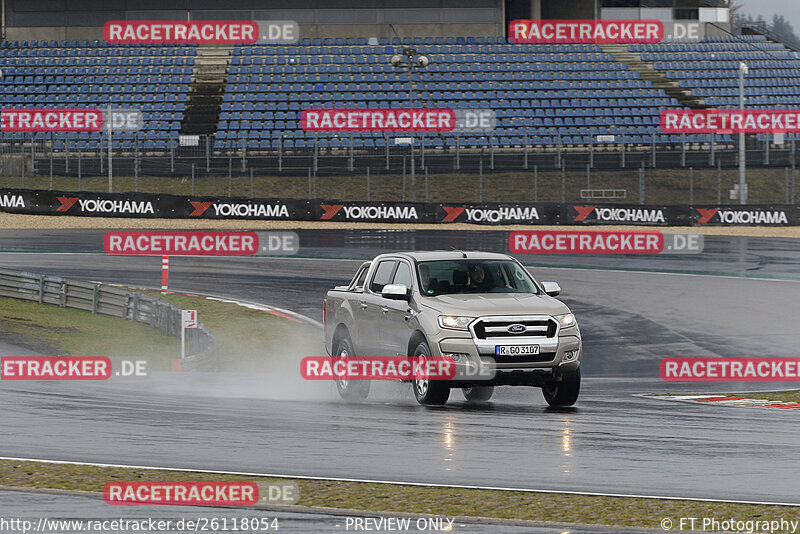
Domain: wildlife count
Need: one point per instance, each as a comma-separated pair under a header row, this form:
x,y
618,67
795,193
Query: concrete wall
x,y
310,31
574,9
83,19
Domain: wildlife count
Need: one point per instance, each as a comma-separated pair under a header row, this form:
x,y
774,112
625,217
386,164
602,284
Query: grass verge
x,y
398,498
661,185
56,331
250,339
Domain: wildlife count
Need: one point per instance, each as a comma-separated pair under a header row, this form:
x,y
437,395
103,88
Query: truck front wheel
x,y
564,393
350,390
428,392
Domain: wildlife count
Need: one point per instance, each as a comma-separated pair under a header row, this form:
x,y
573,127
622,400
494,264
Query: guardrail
x,y
112,301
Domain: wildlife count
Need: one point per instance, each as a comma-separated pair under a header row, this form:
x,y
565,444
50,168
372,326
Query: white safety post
x,y
188,320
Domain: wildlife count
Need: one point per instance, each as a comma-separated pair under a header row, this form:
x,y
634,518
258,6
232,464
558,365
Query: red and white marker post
x,y
164,274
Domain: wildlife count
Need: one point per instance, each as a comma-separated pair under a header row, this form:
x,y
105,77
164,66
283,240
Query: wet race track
x,y
739,298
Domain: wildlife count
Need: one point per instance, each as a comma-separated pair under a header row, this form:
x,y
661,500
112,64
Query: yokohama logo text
x,y
752,216
502,214
633,215
399,213
12,201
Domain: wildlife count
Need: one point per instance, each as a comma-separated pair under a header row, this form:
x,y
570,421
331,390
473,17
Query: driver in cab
x,y
477,279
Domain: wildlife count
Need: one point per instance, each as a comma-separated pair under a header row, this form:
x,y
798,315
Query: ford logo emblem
x,y
517,328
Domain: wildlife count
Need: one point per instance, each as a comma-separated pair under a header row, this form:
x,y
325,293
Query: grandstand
x,y
210,104
84,74
544,95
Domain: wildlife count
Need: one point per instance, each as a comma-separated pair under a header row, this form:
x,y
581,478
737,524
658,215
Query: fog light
x,y
570,355
455,356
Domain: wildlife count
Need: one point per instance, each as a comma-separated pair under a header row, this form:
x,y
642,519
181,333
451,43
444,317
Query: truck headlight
x,y
565,320
455,322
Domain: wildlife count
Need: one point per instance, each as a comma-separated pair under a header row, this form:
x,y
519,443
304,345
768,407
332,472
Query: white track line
x,y
398,482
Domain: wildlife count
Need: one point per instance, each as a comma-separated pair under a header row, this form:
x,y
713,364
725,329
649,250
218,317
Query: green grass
x,y
251,340
397,498
662,186
51,330
248,340
783,396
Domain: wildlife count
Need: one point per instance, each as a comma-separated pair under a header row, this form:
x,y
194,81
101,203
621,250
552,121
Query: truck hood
x,y
475,305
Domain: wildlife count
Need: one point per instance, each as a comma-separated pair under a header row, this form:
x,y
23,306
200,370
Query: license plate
x,y
516,350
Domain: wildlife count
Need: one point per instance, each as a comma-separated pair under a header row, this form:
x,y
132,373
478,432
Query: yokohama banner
x,y
141,205
499,213
743,216
374,212
624,214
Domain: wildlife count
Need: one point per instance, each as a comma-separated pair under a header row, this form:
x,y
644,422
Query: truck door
x,y
368,310
395,331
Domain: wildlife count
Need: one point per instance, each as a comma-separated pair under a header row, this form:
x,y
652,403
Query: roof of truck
x,y
433,255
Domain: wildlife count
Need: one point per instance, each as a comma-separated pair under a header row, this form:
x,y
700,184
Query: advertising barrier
x,y
141,205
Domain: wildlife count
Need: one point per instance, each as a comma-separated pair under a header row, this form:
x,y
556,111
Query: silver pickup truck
x,y
477,309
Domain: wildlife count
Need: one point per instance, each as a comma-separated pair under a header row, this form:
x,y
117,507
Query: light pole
x,y
410,60
742,152
110,173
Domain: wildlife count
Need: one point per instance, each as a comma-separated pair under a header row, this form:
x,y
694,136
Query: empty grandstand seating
x,y
711,70
154,79
543,95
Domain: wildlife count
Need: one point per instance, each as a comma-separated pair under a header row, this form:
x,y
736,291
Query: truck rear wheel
x,y
564,393
350,390
428,392
478,393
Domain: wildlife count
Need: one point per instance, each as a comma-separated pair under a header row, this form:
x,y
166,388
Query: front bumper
x,y
548,367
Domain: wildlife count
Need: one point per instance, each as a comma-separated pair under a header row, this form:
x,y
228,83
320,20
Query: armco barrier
x,y
183,207
112,301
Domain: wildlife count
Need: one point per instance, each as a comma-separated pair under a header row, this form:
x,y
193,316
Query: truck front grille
x,y
497,328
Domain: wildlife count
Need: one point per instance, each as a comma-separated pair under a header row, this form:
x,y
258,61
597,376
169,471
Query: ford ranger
x,y
475,309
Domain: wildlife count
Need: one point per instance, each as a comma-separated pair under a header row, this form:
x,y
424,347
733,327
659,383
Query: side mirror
x,y
551,288
396,292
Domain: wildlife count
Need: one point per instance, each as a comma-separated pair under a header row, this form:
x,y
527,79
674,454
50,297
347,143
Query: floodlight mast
x,y
409,60
743,70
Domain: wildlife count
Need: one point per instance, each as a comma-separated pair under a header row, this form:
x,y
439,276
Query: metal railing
x,y
112,301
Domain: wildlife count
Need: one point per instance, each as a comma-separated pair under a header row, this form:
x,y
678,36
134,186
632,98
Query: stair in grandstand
x,y
659,80
761,28
206,90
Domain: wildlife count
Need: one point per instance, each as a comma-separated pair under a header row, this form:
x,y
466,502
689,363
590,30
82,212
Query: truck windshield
x,y
473,276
